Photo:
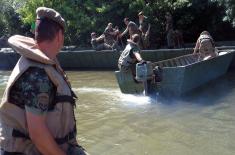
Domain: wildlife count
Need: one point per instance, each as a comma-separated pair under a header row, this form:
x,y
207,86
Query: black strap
x,y
2,152
64,98
61,98
66,138
18,134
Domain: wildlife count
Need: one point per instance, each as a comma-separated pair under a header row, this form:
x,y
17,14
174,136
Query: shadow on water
x,y
209,94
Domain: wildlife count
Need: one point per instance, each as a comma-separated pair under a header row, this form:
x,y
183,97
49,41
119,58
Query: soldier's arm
x,y
148,31
113,33
100,38
124,32
41,136
38,91
137,55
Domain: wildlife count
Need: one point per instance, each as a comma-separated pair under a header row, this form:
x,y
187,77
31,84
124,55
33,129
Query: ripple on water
x,y
3,79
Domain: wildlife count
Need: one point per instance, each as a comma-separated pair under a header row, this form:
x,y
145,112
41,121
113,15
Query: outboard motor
x,y
157,71
144,73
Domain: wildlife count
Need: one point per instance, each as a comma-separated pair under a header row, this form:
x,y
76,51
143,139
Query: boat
x,y
178,75
91,59
96,60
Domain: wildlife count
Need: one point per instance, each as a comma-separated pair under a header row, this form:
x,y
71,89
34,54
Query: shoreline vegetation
x,y
83,17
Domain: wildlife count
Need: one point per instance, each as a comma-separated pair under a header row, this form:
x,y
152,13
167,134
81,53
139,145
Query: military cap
x,y
93,34
140,13
44,12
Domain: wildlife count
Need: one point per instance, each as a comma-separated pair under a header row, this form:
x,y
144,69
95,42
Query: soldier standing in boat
x,y
131,28
37,108
205,46
110,36
130,56
144,27
169,30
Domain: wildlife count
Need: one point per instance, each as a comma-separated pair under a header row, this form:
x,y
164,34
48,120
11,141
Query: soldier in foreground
x,y
37,109
205,46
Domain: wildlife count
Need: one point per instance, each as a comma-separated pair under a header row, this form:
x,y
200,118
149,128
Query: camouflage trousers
x,y
145,41
170,38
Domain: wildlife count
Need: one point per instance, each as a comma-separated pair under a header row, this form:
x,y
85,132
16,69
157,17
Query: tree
x,y
84,16
9,18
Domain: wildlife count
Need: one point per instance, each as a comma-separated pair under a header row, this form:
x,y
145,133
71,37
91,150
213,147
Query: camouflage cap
x,y
44,12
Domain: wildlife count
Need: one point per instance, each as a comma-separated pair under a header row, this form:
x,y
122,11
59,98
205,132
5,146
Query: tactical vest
x,y
206,45
60,118
125,58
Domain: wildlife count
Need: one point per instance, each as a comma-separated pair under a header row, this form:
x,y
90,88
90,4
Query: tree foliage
x,y
84,16
10,21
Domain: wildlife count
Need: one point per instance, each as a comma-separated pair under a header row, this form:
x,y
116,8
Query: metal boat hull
x,y
180,75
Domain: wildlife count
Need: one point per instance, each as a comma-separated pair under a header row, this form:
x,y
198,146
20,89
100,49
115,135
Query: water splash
x,y
135,99
95,90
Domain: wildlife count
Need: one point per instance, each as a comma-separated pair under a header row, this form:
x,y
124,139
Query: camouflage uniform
x,y
33,91
145,30
205,46
39,86
99,46
170,32
127,60
110,38
132,28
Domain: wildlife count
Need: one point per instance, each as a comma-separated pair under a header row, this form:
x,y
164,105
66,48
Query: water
x,y
111,123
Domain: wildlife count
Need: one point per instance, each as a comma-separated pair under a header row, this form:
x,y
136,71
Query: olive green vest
x,y
125,58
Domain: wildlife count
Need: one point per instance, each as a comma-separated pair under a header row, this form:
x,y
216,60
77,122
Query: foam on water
x,y
135,99
3,79
95,90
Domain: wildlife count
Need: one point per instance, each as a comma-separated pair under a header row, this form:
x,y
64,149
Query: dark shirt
x,y
132,27
144,25
33,91
169,23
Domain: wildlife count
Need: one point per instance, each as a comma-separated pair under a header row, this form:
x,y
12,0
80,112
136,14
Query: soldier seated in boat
x,y
205,46
97,42
130,56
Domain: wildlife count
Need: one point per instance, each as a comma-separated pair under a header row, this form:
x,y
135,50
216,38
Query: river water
x,y
111,123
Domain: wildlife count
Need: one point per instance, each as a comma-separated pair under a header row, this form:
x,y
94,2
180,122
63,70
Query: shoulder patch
x,y
43,101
